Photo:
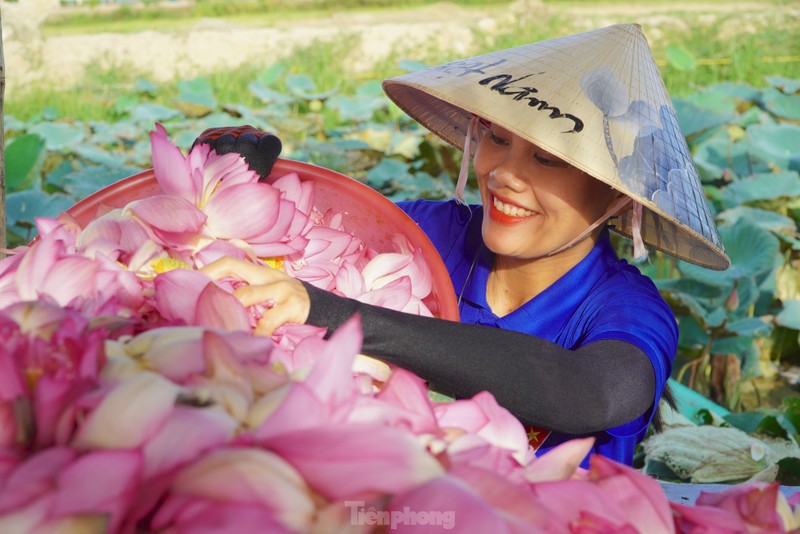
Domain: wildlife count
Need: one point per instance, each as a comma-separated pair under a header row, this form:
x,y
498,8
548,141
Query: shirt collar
x,y
547,313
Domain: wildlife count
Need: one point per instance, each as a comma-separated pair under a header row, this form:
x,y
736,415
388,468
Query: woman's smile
x,y
505,212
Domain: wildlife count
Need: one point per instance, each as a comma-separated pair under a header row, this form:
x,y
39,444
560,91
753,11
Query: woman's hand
x,y
285,298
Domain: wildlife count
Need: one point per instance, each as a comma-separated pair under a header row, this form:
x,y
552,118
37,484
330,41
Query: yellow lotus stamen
x,y
163,265
32,376
275,263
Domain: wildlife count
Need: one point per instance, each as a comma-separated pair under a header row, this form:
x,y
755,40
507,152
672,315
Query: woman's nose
x,y
510,173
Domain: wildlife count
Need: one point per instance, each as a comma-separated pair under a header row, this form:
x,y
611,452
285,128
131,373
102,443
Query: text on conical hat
x,y
512,86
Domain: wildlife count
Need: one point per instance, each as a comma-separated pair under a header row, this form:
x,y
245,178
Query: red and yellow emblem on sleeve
x,y
536,436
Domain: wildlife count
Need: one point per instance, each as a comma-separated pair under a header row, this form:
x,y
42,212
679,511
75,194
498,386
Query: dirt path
x,y
213,43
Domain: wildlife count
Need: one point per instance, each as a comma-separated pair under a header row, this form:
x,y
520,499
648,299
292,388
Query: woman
x,y
572,136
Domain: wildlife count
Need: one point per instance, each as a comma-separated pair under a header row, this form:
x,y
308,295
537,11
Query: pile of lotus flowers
x,y
135,397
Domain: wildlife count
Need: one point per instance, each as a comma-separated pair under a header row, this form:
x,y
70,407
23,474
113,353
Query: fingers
x,y
285,298
230,267
269,294
289,303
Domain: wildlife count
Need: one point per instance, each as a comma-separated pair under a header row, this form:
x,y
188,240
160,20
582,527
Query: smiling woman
x,y
572,340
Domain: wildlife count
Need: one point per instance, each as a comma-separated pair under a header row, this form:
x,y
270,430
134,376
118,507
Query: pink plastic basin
x,y
369,215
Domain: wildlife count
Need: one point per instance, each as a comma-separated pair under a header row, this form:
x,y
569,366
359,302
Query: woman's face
x,y
534,202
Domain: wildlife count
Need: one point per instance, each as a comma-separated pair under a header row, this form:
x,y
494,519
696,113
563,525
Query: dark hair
x,y
669,398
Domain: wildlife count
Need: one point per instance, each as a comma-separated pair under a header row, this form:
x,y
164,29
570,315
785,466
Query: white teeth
x,y
508,209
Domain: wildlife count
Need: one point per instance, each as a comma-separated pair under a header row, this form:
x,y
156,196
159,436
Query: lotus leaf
x,y
749,326
272,73
304,87
752,251
766,219
151,113
761,187
716,100
781,104
59,136
710,454
388,170
54,180
115,133
49,114
82,183
356,108
99,156
143,86
373,137
125,103
268,95
23,206
24,156
195,97
776,144
754,115
404,144
694,119
13,124
718,152
786,85
741,91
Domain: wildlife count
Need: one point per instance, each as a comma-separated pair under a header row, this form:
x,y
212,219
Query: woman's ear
x,y
619,203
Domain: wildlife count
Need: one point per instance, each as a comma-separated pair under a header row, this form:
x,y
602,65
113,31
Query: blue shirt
x,y
601,298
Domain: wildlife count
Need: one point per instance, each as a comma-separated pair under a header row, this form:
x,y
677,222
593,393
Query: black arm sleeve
x,y
596,387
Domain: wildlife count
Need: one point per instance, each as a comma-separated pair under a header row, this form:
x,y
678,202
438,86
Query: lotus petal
x,y
346,460
247,476
129,414
170,167
559,463
245,211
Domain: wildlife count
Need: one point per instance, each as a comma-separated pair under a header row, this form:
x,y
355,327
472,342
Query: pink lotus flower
x,y
210,196
483,434
615,498
560,463
50,357
320,261
60,489
190,297
389,266
474,499
233,488
53,270
409,394
324,395
344,461
750,507
125,415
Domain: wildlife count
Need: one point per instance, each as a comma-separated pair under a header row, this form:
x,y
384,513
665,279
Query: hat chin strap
x,y
614,209
473,128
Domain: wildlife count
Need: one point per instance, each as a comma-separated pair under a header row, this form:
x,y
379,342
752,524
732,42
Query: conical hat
x,y
596,99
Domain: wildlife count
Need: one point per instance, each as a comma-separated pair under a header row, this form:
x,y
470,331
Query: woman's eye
x,y
549,162
497,139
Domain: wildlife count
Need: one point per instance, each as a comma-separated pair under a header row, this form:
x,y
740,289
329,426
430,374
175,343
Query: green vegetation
x,y
743,45
164,15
